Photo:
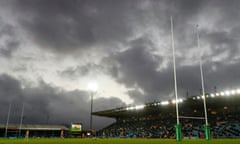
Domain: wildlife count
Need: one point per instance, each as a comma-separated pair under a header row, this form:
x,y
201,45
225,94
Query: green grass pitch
x,y
117,141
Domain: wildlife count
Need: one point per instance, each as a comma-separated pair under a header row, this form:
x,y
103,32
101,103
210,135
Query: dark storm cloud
x,y
224,36
10,88
223,75
10,91
65,26
221,42
106,103
137,67
46,104
158,85
137,96
8,39
73,72
68,25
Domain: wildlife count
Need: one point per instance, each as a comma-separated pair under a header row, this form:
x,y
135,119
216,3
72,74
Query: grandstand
x,y
153,120
157,119
33,130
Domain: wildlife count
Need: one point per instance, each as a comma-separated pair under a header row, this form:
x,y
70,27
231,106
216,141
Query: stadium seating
x,y
222,126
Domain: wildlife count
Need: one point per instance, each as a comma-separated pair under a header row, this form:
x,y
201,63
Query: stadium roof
x,y
34,127
217,101
137,110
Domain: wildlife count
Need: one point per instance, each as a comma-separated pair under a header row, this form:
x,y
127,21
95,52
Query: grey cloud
x,y
223,75
138,97
10,89
106,103
10,92
46,104
66,26
9,48
84,70
136,67
228,11
220,42
9,41
20,68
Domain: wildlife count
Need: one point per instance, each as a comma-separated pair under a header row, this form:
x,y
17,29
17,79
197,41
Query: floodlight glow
x,y
227,93
164,103
139,107
130,108
212,95
217,94
198,97
93,86
233,92
238,91
222,93
180,100
203,97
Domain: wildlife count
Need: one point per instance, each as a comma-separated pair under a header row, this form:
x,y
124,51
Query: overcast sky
x,y
51,49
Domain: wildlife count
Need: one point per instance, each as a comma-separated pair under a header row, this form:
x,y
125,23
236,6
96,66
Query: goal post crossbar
x,y
185,117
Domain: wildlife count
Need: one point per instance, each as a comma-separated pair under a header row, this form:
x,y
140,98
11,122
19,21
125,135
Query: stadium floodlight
x,y
131,108
92,87
212,95
238,91
222,93
227,93
139,107
233,92
217,94
164,102
180,100
198,97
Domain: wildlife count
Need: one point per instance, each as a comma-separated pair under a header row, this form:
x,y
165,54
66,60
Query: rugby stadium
x,y
153,121
158,119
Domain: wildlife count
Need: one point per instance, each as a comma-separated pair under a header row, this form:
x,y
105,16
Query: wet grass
x,y
117,141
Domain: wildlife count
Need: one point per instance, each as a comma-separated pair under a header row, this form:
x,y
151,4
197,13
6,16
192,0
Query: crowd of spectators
x,y
221,126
